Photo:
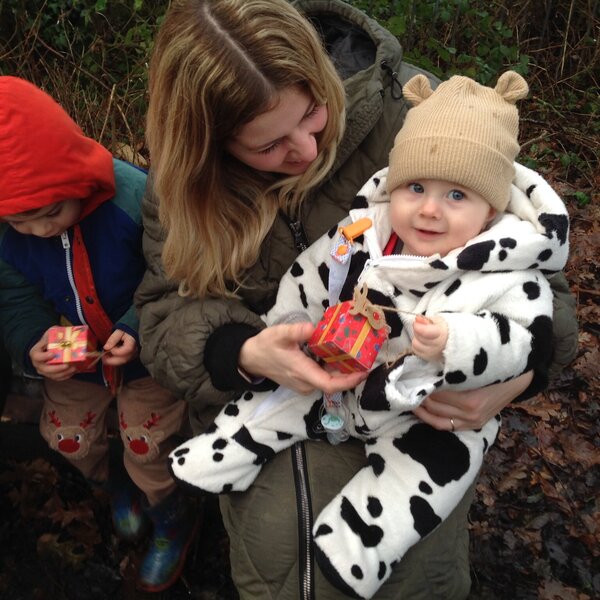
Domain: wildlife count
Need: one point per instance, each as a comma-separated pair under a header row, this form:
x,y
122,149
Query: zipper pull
x,y
298,234
64,238
300,240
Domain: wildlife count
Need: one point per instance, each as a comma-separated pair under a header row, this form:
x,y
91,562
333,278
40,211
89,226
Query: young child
x,y
71,254
456,256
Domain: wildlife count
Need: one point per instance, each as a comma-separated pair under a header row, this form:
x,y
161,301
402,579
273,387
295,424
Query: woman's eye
x,y
313,111
456,195
270,148
416,188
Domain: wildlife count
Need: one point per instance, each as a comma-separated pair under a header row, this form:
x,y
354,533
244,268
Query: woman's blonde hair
x,y
216,65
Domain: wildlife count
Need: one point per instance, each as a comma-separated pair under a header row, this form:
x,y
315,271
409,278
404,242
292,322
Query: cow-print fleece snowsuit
x,y
498,306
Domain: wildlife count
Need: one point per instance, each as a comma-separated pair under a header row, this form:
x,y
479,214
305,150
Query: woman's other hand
x,y
276,353
470,409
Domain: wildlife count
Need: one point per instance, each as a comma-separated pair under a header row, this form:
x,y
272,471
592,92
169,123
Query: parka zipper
x,y
298,233
305,520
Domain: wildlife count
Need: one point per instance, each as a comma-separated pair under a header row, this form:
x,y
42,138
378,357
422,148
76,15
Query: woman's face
x,y
282,140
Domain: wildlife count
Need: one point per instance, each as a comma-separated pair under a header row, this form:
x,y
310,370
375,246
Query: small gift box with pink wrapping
x,y
348,340
73,344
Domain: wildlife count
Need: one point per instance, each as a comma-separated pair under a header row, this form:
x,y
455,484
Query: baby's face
x,y
435,217
47,221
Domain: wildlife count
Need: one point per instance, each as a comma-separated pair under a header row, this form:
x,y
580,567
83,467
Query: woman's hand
x,y
40,355
120,348
275,353
472,408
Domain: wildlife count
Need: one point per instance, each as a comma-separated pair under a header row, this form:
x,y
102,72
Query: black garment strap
x,y
298,233
396,85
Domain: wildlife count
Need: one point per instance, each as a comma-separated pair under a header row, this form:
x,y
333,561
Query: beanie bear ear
x,y
512,87
417,89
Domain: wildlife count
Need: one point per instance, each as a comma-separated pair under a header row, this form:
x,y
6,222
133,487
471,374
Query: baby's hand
x,y
120,348
40,355
430,337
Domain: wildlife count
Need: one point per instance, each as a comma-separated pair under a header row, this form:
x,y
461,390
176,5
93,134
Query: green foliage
x,y
452,36
581,198
91,55
552,43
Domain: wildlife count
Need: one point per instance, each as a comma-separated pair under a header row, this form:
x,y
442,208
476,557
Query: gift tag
x,y
342,249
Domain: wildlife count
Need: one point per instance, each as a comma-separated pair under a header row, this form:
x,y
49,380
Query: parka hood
x,y
44,155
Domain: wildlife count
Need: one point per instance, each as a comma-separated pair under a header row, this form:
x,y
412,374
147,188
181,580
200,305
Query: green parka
x,y
270,548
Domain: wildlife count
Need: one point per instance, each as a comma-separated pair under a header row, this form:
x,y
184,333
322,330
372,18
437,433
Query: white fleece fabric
x,y
498,304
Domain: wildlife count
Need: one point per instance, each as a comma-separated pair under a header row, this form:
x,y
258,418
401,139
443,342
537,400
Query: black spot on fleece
x,y
475,256
442,453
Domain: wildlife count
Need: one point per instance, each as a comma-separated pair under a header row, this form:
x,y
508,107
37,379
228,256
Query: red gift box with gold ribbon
x,y
346,342
72,344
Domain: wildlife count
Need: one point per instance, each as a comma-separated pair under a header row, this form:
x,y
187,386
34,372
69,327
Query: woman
x,y
257,149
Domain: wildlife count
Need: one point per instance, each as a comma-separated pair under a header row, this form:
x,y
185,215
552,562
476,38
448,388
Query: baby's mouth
x,y
428,232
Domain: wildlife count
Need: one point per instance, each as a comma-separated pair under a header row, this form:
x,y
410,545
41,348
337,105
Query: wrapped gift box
x,y
346,342
72,344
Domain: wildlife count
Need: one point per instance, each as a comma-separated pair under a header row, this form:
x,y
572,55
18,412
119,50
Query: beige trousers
x,y
74,424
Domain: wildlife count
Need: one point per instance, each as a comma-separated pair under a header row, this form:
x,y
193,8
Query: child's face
x,y
432,216
48,221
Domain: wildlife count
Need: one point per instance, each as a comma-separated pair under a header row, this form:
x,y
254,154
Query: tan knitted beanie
x,y
462,132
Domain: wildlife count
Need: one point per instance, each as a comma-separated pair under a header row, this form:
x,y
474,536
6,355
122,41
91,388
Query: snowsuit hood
x,y
45,156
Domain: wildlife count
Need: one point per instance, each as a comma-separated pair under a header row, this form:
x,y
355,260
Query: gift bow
x,y
363,306
70,343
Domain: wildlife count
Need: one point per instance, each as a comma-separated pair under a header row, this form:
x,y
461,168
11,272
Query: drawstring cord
x,y
395,82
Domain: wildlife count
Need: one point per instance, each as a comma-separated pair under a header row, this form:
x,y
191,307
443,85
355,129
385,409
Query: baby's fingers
x,y
426,332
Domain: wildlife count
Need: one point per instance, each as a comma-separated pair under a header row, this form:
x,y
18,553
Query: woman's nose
x,y
303,147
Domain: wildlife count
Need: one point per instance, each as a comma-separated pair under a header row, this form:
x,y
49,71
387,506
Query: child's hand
x,y
120,347
430,337
40,355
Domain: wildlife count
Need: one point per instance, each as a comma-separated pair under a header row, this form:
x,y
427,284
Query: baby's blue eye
x,y
417,188
455,195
